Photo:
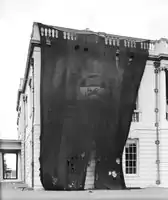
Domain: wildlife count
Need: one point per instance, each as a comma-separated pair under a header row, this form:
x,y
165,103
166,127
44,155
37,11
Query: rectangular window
x,y
135,116
131,157
10,165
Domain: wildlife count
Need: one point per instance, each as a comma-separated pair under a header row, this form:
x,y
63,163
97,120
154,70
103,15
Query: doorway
x,y
10,165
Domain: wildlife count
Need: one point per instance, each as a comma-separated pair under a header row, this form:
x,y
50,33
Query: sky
x,y
136,18
10,160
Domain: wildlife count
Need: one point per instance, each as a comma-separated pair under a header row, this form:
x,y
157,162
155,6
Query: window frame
x,y
136,111
131,141
26,109
3,172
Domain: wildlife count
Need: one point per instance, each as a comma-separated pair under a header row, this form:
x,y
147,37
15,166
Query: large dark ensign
x,y
88,92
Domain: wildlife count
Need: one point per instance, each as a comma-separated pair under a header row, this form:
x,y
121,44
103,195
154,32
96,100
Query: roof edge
x,y
34,40
88,31
9,140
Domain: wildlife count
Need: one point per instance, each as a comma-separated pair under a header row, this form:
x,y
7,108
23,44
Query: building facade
x,y
145,158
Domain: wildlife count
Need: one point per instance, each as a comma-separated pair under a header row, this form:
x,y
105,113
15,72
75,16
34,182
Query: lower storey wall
x,y
146,175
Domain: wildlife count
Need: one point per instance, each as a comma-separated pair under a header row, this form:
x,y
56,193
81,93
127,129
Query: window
x,y
10,167
25,111
131,157
167,113
135,116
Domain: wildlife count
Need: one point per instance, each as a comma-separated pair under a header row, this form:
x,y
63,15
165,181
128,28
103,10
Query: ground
x,y
9,192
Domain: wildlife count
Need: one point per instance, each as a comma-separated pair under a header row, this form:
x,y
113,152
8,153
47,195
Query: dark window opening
x,y
131,55
85,49
10,166
77,47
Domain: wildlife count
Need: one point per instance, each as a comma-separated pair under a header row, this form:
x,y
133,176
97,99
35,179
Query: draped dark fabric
x,y
88,91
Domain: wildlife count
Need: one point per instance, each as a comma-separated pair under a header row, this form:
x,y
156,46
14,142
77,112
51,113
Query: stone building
x,y
145,158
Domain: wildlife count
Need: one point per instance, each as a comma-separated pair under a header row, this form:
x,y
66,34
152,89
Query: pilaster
x,y
37,71
37,74
162,96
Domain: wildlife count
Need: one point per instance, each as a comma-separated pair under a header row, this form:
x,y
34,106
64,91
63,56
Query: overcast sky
x,y
136,18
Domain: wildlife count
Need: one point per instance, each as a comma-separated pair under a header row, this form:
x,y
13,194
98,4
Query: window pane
x,y
134,163
130,150
134,156
130,170
126,156
130,163
131,156
126,149
134,149
134,170
126,170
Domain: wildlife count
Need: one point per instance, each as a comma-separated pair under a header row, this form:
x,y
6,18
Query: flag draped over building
x,y
89,84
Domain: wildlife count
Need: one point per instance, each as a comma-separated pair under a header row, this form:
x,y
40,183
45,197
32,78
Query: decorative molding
x,y
157,142
156,64
156,71
69,35
157,161
163,67
50,33
130,43
156,124
112,41
156,90
156,110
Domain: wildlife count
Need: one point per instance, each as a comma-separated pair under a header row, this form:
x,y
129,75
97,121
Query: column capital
x,y
163,65
156,64
162,68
